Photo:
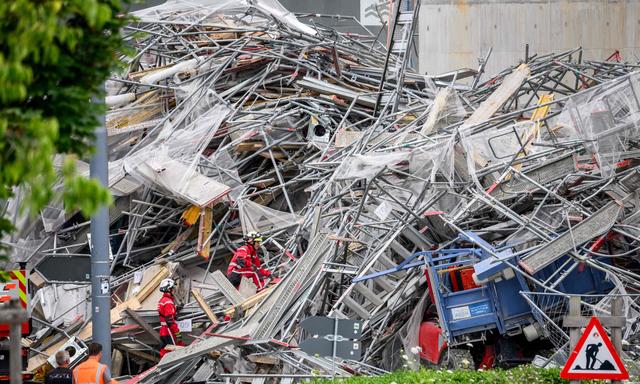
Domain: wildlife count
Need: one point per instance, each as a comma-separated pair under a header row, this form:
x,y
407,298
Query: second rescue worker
x,y
246,263
91,371
169,330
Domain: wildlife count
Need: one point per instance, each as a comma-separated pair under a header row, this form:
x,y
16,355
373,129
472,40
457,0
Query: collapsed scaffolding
x,y
472,208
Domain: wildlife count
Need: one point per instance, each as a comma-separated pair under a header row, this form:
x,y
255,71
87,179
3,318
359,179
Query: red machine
x,y
15,287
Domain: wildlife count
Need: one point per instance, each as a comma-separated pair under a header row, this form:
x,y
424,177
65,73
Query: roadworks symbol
x,y
594,357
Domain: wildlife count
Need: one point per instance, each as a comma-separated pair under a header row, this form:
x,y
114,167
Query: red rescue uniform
x,y
169,330
246,263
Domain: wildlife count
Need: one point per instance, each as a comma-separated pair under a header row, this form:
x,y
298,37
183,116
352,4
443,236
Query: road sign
x,y
320,325
65,269
323,346
329,332
594,357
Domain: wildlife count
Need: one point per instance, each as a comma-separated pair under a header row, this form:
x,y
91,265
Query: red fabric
x,y
489,357
426,273
251,267
167,312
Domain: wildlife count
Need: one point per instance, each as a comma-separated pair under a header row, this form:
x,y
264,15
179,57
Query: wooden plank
x,y
206,222
140,321
509,85
439,105
249,303
204,306
581,321
177,242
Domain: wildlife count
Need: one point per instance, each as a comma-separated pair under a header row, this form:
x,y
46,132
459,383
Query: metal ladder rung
x,y
417,238
357,308
368,294
384,284
400,250
226,288
405,18
385,261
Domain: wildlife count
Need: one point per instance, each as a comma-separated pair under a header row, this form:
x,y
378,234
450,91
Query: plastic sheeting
x,y
171,162
367,166
410,333
604,118
256,217
63,302
404,351
225,171
429,161
194,11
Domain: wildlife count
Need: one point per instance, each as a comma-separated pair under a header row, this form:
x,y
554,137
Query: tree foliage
x,y
54,56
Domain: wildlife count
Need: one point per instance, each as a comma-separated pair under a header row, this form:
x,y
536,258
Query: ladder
x,y
225,287
271,310
367,300
401,41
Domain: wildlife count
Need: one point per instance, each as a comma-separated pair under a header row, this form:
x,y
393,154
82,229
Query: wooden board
x,y
204,306
206,223
250,302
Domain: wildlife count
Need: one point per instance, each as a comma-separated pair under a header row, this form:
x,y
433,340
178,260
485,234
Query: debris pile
x,y
452,216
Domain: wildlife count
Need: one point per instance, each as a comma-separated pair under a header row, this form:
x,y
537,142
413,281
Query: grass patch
x,y
519,375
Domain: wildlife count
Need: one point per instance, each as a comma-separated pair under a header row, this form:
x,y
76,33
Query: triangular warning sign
x,y
594,357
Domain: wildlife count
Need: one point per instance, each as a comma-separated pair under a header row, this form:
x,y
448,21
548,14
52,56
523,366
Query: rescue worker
x,y
246,263
169,331
91,371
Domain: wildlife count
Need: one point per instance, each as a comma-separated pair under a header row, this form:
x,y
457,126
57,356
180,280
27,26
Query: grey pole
x,y
100,265
14,315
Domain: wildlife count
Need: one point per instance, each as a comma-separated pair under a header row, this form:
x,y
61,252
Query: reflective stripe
x,y
20,276
87,366
23,296
100,374
250,273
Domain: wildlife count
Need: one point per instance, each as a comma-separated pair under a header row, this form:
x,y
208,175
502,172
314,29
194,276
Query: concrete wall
x,y
453,34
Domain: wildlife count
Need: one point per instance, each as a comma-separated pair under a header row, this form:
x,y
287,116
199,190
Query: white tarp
x,y
198,11
256,217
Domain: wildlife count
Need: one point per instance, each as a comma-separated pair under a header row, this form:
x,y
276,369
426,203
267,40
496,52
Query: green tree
x,y
54,56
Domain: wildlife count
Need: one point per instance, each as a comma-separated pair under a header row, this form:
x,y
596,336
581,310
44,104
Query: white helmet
x,y
166,285
253,236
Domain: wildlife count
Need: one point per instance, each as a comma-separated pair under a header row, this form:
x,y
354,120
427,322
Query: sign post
x,y
594,355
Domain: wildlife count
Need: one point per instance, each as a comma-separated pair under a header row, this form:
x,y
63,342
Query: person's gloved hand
x,y
265,272
241,262
178,336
